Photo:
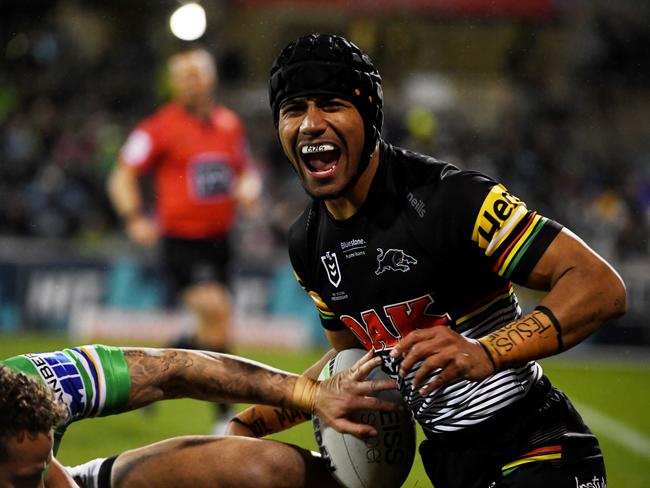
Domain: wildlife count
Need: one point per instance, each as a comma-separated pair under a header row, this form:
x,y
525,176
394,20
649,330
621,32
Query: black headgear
x,y
325,64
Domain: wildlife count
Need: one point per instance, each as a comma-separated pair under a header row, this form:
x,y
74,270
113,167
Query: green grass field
x,y
614,396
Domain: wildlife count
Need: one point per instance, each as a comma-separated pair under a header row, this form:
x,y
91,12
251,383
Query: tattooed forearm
x,y
158,374
218,376
151,370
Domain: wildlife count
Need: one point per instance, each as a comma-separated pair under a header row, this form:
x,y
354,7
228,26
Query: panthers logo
x,y
394,260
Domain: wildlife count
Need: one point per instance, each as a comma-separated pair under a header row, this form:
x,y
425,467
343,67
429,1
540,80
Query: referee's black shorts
x,y
538,442
187,262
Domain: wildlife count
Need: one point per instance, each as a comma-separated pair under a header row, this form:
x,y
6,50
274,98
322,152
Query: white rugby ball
x,y
374,462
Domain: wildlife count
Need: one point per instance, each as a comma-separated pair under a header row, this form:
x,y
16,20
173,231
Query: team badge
x,y
331,264
394,260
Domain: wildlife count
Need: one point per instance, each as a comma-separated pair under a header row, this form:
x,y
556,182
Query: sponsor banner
x,y
49,293
43,295
9,308
102,324
112,325
123,301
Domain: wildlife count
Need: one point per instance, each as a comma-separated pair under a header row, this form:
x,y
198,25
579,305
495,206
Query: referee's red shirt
x,y
195,163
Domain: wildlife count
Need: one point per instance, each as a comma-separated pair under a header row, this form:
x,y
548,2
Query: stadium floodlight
x,y
188,22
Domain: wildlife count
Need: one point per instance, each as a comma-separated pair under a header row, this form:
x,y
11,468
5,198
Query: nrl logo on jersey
x,y
394,260
331,264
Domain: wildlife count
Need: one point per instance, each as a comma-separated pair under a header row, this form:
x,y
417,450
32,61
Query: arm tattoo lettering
x,y
264,420
516,333
535,336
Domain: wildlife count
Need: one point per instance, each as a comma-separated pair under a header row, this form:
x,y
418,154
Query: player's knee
x,y
209,300
277,465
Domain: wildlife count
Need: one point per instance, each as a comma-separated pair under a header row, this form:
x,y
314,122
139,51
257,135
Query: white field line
x,y
615,430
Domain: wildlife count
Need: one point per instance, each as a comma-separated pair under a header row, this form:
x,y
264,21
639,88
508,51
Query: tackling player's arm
x,y
339,396
584,291
263,420
158,374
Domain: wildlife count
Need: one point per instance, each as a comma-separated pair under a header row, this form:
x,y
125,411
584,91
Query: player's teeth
x,y
317,148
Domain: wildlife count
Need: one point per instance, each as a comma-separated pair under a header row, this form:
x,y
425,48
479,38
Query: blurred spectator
x,y
196,151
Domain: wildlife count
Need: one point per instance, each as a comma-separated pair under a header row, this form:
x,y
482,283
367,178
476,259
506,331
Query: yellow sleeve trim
x,y
498,216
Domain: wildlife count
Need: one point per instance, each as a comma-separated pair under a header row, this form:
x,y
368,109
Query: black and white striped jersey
x,y
432,246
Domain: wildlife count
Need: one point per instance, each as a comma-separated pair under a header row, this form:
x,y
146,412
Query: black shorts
x,y
187,262
539,441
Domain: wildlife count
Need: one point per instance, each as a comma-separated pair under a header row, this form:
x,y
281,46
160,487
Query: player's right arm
x,y
337,398
124,192
263,420
158,374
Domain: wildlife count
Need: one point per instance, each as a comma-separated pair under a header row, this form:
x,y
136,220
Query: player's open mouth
x,y
320,159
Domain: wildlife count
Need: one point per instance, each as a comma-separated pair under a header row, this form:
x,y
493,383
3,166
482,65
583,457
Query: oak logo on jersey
x,y
394,260
331,264
383,329
499,215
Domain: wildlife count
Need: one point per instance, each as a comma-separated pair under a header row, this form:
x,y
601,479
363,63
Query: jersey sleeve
x,y
106,377
143,147
509,236
89,380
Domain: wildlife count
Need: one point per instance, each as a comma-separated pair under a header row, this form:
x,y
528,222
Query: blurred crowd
x,y
571,145
62,121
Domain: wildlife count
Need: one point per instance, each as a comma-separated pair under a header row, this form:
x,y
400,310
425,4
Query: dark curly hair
x,y
26,407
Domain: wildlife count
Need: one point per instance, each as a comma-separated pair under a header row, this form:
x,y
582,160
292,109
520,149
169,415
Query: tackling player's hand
x,y
441,348
349,391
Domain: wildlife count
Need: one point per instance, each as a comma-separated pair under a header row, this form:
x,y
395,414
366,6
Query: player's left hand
x,y
441,348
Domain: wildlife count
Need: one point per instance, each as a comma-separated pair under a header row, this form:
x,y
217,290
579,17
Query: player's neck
x,y
347,205
200,109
